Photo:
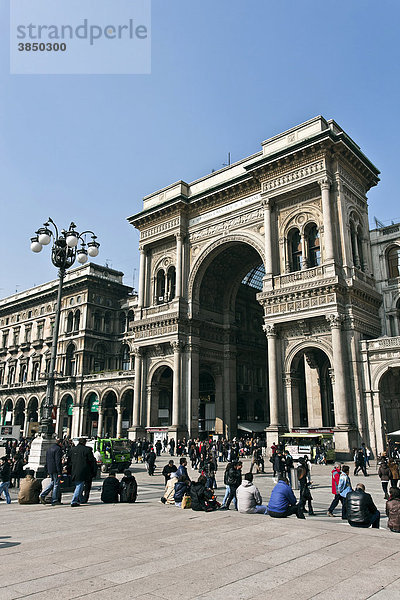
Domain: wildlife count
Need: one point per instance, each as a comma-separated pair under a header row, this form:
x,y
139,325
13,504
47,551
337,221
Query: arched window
x,y
107,323
360,251
160,286
295,250
77,319
97,321
70,321
125,359
22,374
131,318
100,358
313,245
171,282
122,322
11,375
393,262
70,361
36,370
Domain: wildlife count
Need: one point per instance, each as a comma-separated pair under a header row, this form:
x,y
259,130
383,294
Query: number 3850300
x,y
42,47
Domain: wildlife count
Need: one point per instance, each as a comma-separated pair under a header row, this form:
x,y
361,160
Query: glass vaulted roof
x,y
254,277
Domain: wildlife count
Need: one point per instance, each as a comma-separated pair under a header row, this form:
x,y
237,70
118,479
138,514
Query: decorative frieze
x,y
226,225
294,176
160,228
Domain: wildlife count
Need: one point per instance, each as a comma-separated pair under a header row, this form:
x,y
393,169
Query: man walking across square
x,y
54,469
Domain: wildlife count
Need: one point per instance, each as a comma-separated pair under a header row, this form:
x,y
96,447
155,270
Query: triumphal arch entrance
x,y
255,289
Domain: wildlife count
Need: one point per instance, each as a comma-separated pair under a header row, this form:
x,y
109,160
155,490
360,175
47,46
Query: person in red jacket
x,y
337,497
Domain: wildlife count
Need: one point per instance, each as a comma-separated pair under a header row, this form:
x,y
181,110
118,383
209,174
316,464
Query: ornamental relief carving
x,y
294,176
313,198
161,228
226,225
352,181
304,215
151,333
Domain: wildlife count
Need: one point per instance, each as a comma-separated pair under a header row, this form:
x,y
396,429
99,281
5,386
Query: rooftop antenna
x,y
378,223
228,164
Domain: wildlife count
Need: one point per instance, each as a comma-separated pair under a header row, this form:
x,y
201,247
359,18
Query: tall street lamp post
x,y
64,252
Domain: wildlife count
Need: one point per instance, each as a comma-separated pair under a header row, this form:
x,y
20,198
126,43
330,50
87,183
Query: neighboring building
x,y
94,385
262,304
381,357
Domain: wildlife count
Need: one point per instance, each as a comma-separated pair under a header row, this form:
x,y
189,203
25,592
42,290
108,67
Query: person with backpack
x,y
128,487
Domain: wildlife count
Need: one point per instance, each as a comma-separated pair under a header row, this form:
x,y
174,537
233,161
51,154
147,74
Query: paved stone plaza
x,y
149,551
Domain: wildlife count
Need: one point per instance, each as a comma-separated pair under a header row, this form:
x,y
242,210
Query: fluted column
x,y
137,387
340,392
142,276
325,185
178,290
267,237
271,333
177,347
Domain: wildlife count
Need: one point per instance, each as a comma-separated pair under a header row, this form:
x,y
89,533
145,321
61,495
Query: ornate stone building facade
x,y
256,292
264,305
94,386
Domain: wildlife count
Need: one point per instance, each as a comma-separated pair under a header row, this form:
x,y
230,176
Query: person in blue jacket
x,y
282,502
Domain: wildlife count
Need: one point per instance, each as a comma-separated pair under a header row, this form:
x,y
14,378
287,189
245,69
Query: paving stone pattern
x,y
148,551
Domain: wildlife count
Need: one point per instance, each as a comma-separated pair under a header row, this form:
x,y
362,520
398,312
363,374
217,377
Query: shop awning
x,y
251,426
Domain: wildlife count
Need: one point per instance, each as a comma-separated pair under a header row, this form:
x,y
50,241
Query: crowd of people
x,y
78,462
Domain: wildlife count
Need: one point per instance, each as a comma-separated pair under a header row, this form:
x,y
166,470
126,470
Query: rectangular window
x,y
40,328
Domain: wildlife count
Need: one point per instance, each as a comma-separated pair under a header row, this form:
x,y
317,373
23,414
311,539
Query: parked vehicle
x,y
112,453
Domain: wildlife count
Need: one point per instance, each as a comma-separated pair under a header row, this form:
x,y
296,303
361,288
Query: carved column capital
x,y
270,329
335,320
137,352
325,183
177,345
266,202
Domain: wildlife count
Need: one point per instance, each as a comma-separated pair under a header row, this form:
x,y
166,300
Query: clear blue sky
x,y
226,75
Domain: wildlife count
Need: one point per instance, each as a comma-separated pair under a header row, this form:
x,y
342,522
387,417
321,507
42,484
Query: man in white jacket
x,y
249,498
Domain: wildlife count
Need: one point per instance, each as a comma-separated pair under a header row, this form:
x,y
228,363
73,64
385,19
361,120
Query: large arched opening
x,y
161,397
311,389
232,373
66,414
110,414
33,416
389,394
91,415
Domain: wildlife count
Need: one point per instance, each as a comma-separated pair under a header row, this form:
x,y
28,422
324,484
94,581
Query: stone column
x,y
340,392
75,421
100,422
271,333
177,347
325,185
142,276
178,289
137,387
266,202
26,423
119,420
193,408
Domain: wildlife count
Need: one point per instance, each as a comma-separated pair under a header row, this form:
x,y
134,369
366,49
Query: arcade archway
x,y
233,346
